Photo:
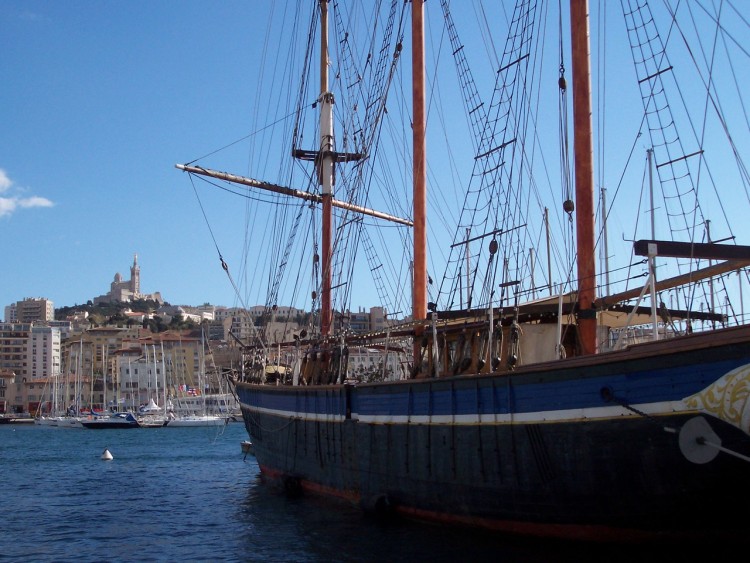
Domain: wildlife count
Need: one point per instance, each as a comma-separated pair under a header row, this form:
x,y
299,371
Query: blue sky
x,y
100,99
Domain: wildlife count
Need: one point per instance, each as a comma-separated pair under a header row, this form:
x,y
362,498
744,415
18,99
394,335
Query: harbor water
x,y
191,494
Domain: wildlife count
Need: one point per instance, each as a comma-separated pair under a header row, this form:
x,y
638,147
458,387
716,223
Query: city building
x,y
216,332
195,314
46,355
141,380
99,345
171,364
181,353
363,321
278,332
15,348
53,395
30,310
239,326
7,378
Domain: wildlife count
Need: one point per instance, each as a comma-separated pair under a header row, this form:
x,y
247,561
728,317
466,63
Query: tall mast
x,y
584,173
419,307
164,375
325,172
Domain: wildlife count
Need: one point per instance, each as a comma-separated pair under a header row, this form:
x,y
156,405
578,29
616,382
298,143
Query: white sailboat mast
x,y
202,375
93,376
325,173
130,380
156,369
164,377
79,378
104,380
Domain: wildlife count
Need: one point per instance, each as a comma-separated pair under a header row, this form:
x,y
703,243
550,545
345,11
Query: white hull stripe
x,y
567,415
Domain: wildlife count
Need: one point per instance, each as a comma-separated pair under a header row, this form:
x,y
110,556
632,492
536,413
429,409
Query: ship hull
x,y
109,425
583,448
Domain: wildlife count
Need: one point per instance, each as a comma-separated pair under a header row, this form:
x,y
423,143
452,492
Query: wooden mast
x,y
419,306
325,173
584,173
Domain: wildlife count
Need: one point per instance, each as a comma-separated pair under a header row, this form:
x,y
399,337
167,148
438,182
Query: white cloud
x,y
7,205
5,182
34,201
10,204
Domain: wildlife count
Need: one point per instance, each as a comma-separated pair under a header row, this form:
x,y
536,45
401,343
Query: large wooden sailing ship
x,y
535,418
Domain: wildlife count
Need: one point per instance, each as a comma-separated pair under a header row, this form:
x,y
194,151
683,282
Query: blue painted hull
x,y
586,447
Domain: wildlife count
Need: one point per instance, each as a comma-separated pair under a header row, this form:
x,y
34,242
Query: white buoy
x,y
106,456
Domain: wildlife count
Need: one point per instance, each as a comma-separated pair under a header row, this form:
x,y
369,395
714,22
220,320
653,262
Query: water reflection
x,y
278,528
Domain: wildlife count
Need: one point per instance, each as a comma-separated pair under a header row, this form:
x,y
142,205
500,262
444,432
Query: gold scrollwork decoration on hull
x,y
728,398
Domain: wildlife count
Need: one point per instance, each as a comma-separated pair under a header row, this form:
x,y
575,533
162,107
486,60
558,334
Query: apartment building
x,y
30,310
15,348
7,379
167,364
46,354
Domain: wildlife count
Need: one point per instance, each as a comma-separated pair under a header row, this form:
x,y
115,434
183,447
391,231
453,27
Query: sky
x,y
98,101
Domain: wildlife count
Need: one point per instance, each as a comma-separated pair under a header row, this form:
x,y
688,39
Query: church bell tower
x,y
135,277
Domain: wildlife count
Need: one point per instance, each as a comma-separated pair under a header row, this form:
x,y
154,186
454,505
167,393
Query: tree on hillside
x,y
178,322
108,310
155,324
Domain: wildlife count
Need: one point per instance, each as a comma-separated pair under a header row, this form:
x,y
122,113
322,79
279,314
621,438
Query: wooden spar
x,y
419,306
677,281
693,250
275,188
584,173
325,174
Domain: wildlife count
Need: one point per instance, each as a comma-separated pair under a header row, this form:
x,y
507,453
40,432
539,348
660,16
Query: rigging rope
x,y
680,171
224,265
494,196
366,89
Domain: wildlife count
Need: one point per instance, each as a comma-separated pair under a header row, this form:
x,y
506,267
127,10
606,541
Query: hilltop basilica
x,y
127,290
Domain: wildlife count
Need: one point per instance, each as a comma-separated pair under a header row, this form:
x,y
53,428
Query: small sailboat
x,y
152,415
59,386
117,420
191,420
197,406
566,408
